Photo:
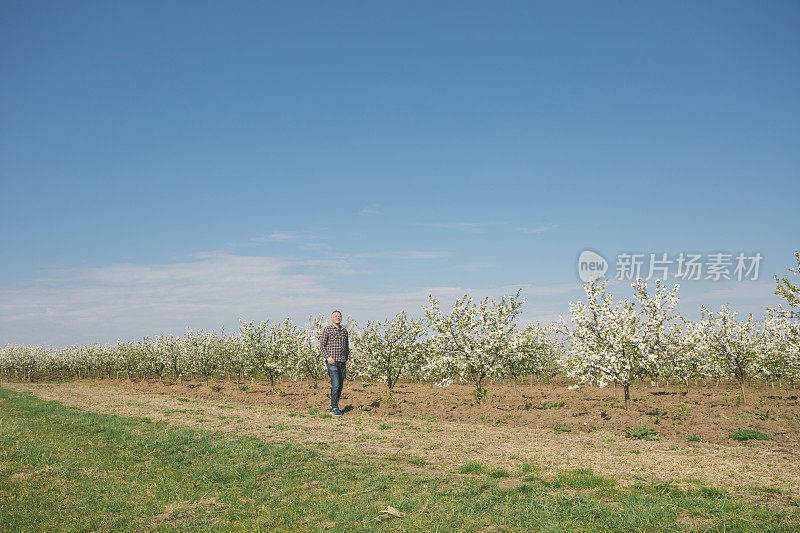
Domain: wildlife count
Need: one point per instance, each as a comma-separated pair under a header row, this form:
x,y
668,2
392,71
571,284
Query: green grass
x,y
528,467
472,467
580,478
694,438
760,489
657,487
62,469
498,473
749,434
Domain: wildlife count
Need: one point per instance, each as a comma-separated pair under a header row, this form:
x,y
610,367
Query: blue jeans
x,y
336,371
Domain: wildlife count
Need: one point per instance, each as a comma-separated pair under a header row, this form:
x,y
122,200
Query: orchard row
x,y
602,341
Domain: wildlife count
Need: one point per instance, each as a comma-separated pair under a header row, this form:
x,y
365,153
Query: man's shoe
x,y
336,412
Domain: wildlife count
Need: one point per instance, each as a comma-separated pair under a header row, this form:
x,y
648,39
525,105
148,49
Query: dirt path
x,y
444,445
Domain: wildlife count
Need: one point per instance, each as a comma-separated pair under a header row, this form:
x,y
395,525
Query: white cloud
x,y
470,267
403,254
550,290
132,300
334,266
314,246
544,318
469,227
281,236
734,290
371,209
129,301
536,230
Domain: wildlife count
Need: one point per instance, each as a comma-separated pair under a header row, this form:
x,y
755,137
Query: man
x,y
335,349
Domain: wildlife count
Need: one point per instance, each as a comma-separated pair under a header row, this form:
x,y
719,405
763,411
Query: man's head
x,y
336,317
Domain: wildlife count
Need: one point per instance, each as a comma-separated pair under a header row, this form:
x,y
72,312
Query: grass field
x,y
69,470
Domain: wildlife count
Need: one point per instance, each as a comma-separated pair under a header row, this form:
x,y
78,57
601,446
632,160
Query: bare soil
x,y
442,428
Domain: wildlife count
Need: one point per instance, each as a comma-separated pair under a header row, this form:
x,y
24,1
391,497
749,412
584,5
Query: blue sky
x,y
186,164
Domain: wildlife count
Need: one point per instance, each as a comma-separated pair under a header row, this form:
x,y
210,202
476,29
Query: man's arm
x,y
323,346
323,342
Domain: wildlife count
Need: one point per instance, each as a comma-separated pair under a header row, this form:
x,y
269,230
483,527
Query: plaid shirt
x,y
334,343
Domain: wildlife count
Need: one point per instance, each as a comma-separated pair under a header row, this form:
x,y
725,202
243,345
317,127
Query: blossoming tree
x,y
605,339
386,350
735,348
472,342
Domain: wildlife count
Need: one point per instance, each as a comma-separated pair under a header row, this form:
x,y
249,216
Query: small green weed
x,y
642,432
558,429
749,434
763,416
551,405
480,394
